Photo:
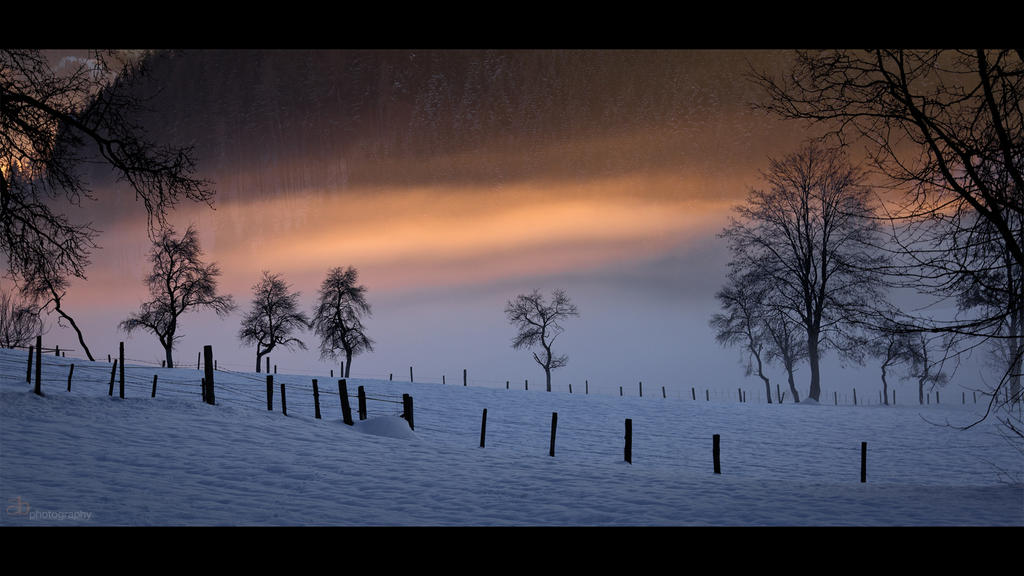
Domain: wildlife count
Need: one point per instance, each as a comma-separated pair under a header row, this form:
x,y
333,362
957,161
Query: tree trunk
x,y
760,373
259,359
547,374
81,339
348,363
813,359
885,387
792,385
170,360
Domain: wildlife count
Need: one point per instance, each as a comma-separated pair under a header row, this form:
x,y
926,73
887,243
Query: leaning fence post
x,y
716,452
284,403
316,399
153,394
39,365
663,393
70,372
483,427
554,424
362,403
863,462
113,371
629,440
407,410
854,396
270,392
570,388
346,410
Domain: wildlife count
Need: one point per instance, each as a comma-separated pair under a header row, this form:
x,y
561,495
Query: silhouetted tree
x,y
44,283
53,122
893,347
947,128
743,324
807,236
924,367
273,318
20,322
180,282
337,319
539,322
787,344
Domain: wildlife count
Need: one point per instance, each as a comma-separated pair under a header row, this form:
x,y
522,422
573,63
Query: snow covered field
x,y
85,458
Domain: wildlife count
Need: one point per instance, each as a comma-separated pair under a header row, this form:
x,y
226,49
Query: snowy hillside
x,y
86,458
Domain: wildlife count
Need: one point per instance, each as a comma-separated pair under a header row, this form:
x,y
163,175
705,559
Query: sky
x,y
453,181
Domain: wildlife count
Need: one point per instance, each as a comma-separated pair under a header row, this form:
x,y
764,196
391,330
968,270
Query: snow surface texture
x,y
85,458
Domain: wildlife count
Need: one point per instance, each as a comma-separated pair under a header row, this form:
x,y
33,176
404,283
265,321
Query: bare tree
x,y
273,318
742,323
946,127
338,317
539,322
924,367
893,347
180,282
787,345
807,235
54,121
20,322
44,283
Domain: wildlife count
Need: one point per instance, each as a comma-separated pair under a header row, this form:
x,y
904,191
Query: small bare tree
x,y
273,318
337,319
19,321
180,282
539,322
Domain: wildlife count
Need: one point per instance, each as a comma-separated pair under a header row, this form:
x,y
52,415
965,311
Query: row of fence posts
x,y
346,409
211,365
716,450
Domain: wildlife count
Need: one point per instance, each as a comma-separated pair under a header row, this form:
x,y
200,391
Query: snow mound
x,y
390,426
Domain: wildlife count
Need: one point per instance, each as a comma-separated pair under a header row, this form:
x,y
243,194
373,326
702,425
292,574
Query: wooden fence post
x,y
316,399
56,350
410,375
586,384
863,462
332,372
526,383
570,388
629,440
120,377
554,424
463,376
362,403
284,402
342,373
407,410
641,389
854,396
443,379
707,395
663,396
483,427
153,394
620,390
28,371
739,392
346,409
693,392
70,372
506,384
937,397
267,370
778,393
390,377
113,371
716,452
275,368
270,392
835,397
208,365
199,359
39,365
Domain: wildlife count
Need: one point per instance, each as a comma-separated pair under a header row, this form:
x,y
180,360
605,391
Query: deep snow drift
x,y
85,458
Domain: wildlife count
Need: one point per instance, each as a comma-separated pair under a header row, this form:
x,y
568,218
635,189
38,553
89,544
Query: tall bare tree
x,y
807,235
538,322
20,322
273,318
338,317
180,282
946,127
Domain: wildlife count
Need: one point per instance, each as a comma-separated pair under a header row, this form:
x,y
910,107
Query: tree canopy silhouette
x,y
180,282
538,322
273,317
338,317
